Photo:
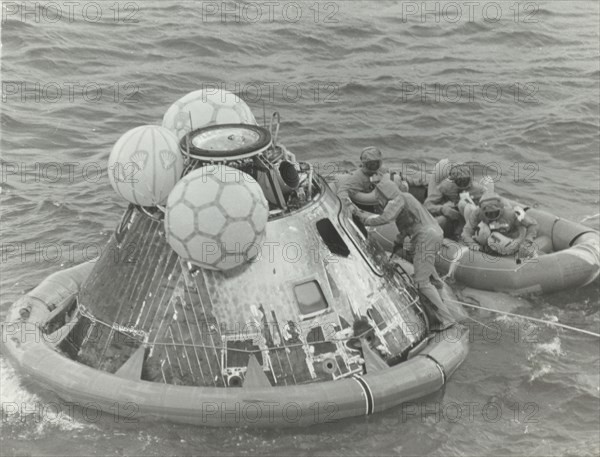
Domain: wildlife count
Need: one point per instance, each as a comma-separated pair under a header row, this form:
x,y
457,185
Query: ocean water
x,y
512,85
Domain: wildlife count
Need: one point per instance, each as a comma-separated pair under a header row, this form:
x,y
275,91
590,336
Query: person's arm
x,y
438,204
346,186
469,228
530,224
287,155
400,181
476,192
532,227
435,199
390,213
406,181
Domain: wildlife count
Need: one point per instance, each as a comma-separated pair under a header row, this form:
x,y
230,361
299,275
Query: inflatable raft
x,y
234,291
568,252
568,257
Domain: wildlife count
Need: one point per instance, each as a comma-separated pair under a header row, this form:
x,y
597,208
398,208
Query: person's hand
x,y
350,210
526,249
400,182
362,216
287,155
409,247
449,210
397,248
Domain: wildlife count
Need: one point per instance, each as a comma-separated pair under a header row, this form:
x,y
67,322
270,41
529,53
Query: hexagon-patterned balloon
x,y
216,217
202,108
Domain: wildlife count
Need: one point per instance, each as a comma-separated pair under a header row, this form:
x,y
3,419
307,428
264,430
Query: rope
x,y
454,263
534,319
588,218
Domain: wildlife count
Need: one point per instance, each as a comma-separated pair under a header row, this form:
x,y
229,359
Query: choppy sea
x,y
511,84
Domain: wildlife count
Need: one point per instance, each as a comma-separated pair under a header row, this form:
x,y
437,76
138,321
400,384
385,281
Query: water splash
x,y
21,408
552,348
544,369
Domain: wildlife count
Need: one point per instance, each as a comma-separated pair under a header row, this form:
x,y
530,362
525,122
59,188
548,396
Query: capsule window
x,y
332,238
310,298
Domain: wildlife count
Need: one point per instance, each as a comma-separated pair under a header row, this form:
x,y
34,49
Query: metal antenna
x,y
187,140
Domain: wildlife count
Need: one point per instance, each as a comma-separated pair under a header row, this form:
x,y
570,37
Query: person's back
x,y
413,215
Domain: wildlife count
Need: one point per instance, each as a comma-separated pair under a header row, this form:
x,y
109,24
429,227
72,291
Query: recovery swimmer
x,y
426,236
358,187
443,199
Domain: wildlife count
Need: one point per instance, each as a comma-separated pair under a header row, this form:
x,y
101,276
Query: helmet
x,y
461,176
371,158
491,206
492,213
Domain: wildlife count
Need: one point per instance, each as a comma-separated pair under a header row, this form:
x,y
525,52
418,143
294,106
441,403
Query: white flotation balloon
x,y
203,108
145,164
216,217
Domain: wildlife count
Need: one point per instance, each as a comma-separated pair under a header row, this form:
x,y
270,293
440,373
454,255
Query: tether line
x,y
534,319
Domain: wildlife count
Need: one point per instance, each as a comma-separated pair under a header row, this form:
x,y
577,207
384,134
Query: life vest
x,y
503,235
503,244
